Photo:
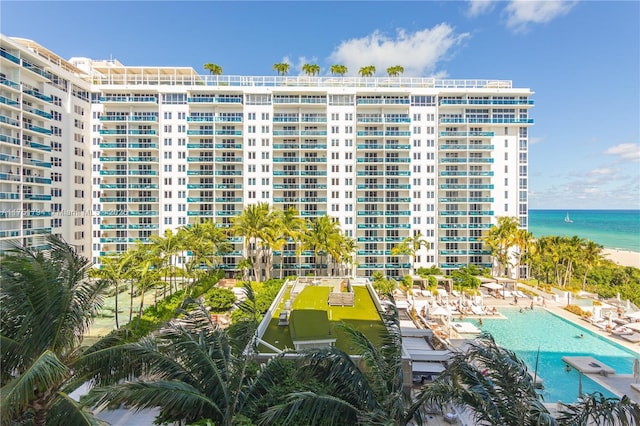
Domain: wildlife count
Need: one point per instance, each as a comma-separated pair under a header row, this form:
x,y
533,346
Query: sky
x,y
581,58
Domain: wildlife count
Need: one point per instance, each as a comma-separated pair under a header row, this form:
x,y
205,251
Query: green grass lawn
x,y
363,316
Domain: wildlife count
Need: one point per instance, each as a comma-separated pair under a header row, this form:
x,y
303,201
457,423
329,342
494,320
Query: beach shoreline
x,y
623,257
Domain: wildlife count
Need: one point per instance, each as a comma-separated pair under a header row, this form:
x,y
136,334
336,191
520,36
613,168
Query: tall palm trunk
x,y
116,302
131,301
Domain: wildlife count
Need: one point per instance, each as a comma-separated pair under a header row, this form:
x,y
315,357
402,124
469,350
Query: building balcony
x,y
113,172
37,95
143,159
10,121
143,132
370,133
228,146
215,100
313,213
200,213
10,102
143,186
209,145
128,99
486,102
453,226
9,139
458,147
9,233
144,226
467,134
40,180
107,227
113,159
312,146
37,197
145,145
113,145
10,84
37,129
37,112
142,173
9,195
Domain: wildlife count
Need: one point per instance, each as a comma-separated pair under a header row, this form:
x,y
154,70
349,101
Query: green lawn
x,y
363,316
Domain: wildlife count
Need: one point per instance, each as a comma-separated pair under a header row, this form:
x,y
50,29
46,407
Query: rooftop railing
x,y
152,77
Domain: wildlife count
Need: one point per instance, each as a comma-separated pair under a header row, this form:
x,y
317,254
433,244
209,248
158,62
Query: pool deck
x,y
618,384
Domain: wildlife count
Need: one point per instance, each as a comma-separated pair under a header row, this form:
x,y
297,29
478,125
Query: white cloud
x,y
417,52
627,151
535,140
479,7
520,13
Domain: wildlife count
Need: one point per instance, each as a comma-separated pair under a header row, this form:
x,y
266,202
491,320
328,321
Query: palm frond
x,y
44,374
65,411
337,369
310,408
177,400
597,409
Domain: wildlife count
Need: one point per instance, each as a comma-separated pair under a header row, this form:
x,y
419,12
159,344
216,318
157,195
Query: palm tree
x,y
168,247
144,270
190,370
523,242
281,68
213,69
490,382
591,256
113,271
311,69
402,249
291,227
206,242
395,71
368,71
371,395
340,70
323,238
48,303
251,224
501,239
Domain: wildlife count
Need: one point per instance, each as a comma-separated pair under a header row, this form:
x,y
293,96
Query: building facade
x,y
44,147
390,158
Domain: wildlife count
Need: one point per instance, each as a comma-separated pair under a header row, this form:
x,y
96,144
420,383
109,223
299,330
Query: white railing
x,y
155,79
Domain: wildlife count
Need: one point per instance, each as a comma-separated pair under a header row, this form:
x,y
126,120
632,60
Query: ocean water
x,y
613,229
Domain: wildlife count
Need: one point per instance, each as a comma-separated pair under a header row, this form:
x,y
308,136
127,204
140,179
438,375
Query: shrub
x,y
219,299
575,309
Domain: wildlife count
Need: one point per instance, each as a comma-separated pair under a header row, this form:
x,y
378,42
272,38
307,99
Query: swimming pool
x,y
523,332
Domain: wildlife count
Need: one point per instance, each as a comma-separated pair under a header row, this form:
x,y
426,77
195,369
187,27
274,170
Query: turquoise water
x,y
614,229
524,332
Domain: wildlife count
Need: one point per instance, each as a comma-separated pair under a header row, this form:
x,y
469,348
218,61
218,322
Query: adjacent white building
x,y
44,147
389,158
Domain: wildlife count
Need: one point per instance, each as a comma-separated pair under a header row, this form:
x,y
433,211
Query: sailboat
x,y
567,219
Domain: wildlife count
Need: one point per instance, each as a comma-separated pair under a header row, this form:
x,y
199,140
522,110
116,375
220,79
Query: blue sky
x,y
582,60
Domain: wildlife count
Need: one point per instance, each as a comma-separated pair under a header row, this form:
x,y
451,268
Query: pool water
x,y
525,332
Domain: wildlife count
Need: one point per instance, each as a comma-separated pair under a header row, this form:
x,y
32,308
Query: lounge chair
x,y
633,338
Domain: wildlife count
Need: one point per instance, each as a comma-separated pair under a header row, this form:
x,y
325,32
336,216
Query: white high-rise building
x,y
44,147
390,158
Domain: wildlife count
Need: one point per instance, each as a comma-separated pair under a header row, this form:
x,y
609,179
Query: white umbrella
x,y
440,311
636,369
492,286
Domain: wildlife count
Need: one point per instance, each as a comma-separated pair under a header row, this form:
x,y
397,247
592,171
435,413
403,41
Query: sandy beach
x,y
623,257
